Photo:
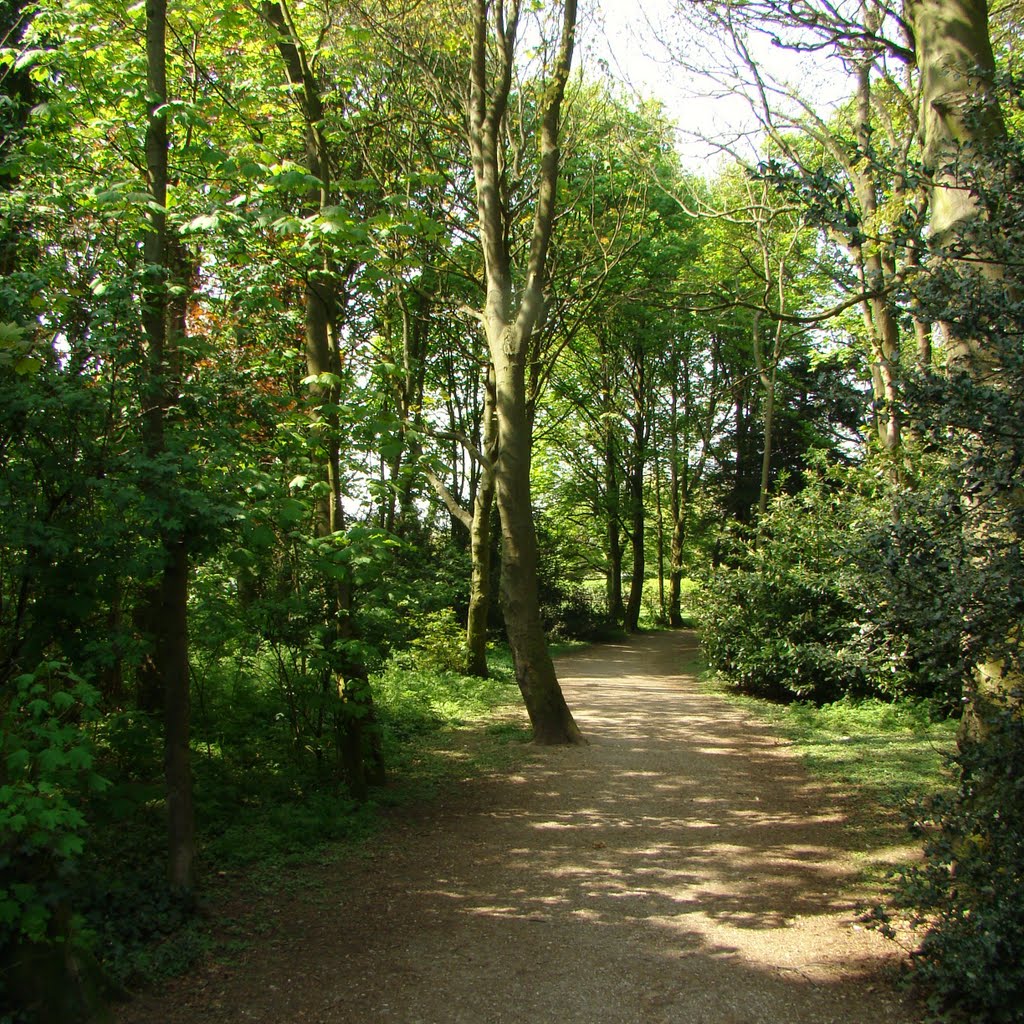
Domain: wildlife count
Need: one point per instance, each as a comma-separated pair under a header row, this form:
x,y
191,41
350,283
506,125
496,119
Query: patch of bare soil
x,y
680,869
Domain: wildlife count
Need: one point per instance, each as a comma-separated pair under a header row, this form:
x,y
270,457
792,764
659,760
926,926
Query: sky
x,y
658,54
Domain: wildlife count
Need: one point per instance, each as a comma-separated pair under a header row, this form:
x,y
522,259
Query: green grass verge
x,y
887,754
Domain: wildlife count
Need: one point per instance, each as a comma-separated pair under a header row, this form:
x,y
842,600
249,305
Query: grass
x,y
885,756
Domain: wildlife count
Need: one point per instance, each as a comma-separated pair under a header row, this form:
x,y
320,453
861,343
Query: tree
x,y
973,293
165,608
325,297
512,315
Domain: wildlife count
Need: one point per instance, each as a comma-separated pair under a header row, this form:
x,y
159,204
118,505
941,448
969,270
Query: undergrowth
x,y
264,804
888,754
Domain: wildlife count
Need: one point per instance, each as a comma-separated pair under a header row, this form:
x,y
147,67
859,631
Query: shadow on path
x,y
680,869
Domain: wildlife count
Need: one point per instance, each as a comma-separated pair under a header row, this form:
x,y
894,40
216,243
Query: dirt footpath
x,y
681,869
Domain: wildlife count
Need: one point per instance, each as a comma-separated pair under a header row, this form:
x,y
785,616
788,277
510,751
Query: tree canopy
x,y
337,334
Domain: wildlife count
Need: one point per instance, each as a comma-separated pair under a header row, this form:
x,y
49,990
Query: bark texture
x,y
962,135
512,313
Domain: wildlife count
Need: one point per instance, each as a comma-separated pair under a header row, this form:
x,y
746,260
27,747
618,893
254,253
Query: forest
x,y
353,352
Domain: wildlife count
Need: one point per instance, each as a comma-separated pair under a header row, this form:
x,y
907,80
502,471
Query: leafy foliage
x,y
775,618
968,896
47,776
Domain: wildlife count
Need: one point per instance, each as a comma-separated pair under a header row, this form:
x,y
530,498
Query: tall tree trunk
x,y
636,540
357,741
660,533
613,522
878,313
477,523
510,334
767,375
166,680
480,544
963,132
679,502
677,488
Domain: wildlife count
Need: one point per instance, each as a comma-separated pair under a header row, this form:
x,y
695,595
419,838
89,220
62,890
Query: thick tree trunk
x,y
962,130
535,672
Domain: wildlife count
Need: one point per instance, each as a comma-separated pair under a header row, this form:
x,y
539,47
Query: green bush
x,y
838,595
968,895
775,618
439,642
47,771
46,775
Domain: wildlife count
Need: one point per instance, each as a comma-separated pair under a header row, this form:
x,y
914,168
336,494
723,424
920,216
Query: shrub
x,y
837,595
968,895
776,618
46,774
439,642
570,612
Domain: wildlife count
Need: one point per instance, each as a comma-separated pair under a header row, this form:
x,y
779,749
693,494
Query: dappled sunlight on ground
x,y
681,869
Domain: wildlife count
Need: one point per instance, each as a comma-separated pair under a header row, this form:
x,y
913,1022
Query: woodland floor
x,y
680,868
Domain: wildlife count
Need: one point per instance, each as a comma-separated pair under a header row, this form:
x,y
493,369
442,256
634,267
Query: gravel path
x,y
681,869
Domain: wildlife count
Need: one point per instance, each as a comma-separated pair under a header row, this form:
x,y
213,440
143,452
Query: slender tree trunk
x,y
167,677
636,540
879,315
768,415
510,334
613,524
767,375
480,545
358,748
660,533
679,514
677,495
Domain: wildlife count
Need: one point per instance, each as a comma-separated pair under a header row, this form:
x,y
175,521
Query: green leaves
x,y
16,350
48,758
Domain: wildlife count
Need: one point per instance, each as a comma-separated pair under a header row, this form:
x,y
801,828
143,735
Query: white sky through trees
x,y
658,50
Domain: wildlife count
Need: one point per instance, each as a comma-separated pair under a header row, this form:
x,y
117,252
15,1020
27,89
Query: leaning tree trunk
x,y
510,328
520,600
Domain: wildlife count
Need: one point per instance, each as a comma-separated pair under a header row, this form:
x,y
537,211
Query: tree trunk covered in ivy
x,y
963,139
